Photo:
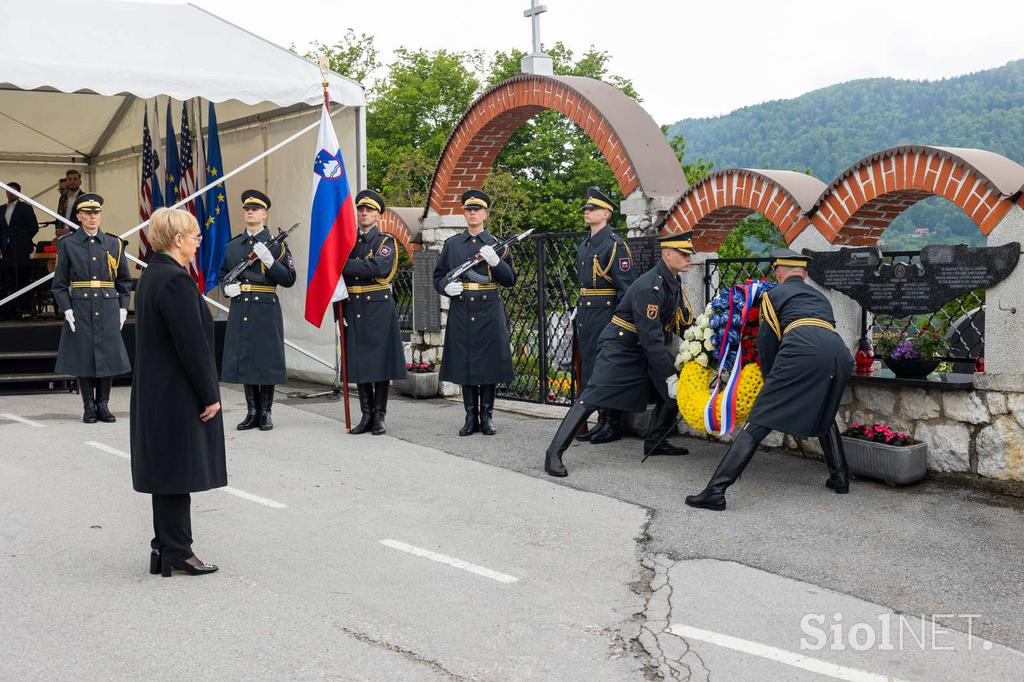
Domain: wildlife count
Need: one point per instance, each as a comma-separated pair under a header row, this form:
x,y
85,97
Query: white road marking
x,y
226,489
746,646
451,561
16,418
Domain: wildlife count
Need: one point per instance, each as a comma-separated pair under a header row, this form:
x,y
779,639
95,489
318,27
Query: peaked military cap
x,y
89,202
681,242
254,197
474,197
370,199
598,199
789,258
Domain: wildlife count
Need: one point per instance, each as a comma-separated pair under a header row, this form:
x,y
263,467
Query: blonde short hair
x,y
167,222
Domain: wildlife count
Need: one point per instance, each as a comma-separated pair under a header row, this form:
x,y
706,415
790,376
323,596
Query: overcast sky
x,y
685,58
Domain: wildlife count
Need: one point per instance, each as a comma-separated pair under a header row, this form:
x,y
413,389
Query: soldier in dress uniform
x,y
372,337
604,269
633,361
92,285
806,366
254,339
476,344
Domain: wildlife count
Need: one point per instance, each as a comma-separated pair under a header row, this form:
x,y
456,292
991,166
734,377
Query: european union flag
x,y
217,226
172,173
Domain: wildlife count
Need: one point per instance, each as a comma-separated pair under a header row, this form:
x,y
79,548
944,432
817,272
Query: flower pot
x,y
911,369
896,465
418,385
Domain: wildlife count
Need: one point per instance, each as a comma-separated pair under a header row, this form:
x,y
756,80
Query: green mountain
x,y
828,130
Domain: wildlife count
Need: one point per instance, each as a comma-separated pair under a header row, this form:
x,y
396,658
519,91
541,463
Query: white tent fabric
x,y
148,49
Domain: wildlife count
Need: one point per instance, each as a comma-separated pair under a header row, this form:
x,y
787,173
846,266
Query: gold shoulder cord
x,y
768,313
680,320
603,272
113,264
394,264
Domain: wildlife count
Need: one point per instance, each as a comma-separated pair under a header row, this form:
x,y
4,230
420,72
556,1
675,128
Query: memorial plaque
x,y
646,253
426,302
903,289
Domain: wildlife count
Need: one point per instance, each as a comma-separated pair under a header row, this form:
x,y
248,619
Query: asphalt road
x,y
422,555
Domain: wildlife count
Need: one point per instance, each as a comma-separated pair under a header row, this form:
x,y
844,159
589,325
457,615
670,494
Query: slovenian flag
x,y
332,227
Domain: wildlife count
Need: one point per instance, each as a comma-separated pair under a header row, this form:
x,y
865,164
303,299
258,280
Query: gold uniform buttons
x,y
472,319
256,298
245,319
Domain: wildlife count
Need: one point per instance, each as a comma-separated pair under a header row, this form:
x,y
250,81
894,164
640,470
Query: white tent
x,y
68,102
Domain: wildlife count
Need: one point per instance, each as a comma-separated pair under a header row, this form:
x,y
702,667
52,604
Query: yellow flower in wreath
x,y
694,391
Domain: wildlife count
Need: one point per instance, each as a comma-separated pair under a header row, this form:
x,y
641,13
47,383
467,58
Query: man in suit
x,y
18,226
72,190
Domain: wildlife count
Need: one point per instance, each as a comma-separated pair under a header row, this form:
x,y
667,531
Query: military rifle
x,y
471,262
237,271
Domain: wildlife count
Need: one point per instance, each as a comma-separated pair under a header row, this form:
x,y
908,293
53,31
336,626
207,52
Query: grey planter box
x,y
893,464
418,385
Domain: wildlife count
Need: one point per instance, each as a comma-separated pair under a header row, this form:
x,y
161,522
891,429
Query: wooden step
x,y
28,355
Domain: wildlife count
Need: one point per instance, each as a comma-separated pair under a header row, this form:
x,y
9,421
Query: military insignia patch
x,y
385,250
652,312
625,264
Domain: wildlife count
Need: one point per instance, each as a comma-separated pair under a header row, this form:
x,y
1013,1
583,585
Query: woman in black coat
x,y
177,432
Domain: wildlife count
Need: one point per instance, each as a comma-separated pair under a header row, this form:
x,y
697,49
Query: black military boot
x,y
266,402
611,431
380,406
602,423
487,392
835,459
470,398
576,415
366,407
87,387
102,398
662,422
252,408
730,468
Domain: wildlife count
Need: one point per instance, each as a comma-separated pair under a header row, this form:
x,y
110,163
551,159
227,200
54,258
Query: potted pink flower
x,y
421,381
877,451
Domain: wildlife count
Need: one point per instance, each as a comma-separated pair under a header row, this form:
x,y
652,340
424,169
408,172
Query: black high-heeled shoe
x,y
202,569
154,561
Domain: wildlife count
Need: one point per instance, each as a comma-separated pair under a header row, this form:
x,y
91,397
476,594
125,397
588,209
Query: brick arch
x,y
404,223
866,198
713,207
627,136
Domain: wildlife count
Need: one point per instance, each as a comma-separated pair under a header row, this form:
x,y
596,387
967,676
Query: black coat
x,y
373,341
633,361
175,379
806,369
254,338
604,270
95,348
476,343
16,236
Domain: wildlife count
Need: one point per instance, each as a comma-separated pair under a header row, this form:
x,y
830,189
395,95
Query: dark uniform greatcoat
x,y
806,368
254,339
604,269
476,341
172,452
91,278
373,341
633,360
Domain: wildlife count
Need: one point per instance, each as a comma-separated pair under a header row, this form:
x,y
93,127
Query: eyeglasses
x,y
197,237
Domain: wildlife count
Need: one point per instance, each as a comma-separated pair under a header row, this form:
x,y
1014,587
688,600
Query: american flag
x,y
187,186
146,207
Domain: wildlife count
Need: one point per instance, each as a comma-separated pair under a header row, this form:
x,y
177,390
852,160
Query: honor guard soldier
x,y
633,361
806,366
604,268
254,340
476,345
92,286
372,337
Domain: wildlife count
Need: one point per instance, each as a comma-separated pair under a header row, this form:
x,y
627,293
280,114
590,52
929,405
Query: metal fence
x,y
539,310
962,319
401,287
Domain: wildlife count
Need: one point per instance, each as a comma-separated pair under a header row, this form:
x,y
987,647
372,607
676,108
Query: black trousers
x,y
172,526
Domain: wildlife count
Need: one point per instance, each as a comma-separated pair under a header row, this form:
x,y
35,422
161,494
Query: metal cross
x,y
533,14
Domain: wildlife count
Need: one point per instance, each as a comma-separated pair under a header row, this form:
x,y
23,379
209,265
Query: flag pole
x,y
339,311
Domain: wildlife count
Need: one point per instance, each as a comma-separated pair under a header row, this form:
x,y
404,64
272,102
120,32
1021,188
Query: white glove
x,y
488,253
263,253
69,315
124,316
232,290
453,288
673,387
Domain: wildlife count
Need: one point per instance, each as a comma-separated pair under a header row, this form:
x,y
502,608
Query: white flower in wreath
x,y
708,346
701,322
694,347
684,357
688,334
708,310
708,333
702,360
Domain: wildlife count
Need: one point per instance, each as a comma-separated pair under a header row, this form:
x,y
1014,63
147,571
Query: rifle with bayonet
x,y
476,259
242,266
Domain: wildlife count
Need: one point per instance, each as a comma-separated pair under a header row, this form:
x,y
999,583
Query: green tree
x,y
354,56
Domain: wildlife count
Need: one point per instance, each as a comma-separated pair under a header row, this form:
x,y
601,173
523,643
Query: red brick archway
x,y
865,199
627,136
713,207
404,223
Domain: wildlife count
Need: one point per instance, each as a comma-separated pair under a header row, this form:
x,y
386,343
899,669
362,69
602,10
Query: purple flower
x,y
905,351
